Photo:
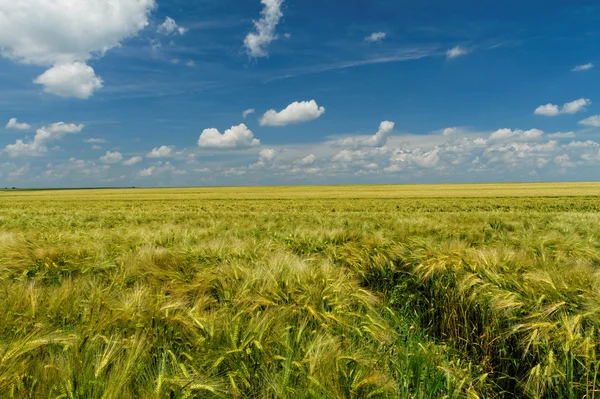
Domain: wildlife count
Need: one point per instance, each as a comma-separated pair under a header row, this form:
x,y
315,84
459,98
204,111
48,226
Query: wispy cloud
x,y
456,52
376,37
408,54
584,67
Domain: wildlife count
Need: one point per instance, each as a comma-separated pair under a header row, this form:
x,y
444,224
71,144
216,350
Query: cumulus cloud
x,y
584,67
456,52
267,155
238,137
308,160
265,158
576,106
132,161
376,37
256,42
568,108
247,112
403,159
61,32
158,169
46,32
14,124
112,157
520,135
170,27
547,110
160,152
44,135
296,112
379,139
593,121
75,169
76,79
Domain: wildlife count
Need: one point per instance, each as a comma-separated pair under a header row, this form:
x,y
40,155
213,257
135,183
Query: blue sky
x,y
152,93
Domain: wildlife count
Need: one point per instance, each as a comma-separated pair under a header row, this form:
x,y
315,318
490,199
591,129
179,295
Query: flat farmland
x,y
433,291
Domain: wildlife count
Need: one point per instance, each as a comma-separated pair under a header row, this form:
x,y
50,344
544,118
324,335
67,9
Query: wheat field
x,y
450,291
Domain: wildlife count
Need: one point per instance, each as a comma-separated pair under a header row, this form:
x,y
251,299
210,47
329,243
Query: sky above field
x,y
251,92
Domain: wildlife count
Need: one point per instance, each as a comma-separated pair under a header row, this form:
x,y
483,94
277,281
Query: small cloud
x,y
14,124
450,131
584,67
456,52
247,112
308,160
160,152
576,106
568,108
190,63
379,139
376,37
76,80
111,157
237,137
593,121
547,110
132,161
95,141
44,135
256,42
296,112
170,27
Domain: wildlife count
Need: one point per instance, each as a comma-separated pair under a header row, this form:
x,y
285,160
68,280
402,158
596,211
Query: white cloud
x,y
568,108
547,110
248,112
265,158
236,137
46,32
584,67
379,139
450,131
405,159
376,37
60,32
132,161
14,124
112,157
308,160
296,112
158,169
256,42
576,106
170,27
77,167
76,79
94,141
37,146
521,135
591,121
160,152
456,52
267,155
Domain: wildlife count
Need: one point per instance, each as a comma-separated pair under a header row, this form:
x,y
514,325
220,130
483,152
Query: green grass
x,y
301,292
